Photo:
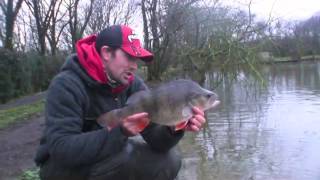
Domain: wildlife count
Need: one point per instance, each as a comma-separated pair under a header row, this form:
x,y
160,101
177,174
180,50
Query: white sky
x,y
286,9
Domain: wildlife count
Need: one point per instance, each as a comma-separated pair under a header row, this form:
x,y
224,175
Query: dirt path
x,y
18,145
23,101
18,142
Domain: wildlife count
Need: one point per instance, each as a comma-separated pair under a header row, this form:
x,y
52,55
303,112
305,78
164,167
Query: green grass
x,y
287,59
20,113
32,174
282,59
310,57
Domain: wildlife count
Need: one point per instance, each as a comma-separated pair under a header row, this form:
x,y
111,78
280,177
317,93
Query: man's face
x,y
120,66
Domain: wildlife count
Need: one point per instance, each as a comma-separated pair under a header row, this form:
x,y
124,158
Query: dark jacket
x,y
74,101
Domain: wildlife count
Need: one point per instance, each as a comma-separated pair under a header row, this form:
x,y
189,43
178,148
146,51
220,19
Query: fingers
x,y
200,118
197,110
136,123
192,128
137,116
195,122
138,127
195,128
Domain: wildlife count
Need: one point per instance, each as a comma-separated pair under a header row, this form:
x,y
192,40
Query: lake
x,y
260,133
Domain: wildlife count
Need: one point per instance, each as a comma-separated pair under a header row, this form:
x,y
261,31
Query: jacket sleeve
x,y
66,142
159,137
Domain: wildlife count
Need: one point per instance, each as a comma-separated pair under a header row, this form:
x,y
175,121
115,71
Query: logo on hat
x,y
132,36
135,50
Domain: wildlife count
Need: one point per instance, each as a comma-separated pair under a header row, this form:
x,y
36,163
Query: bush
x,y
25,73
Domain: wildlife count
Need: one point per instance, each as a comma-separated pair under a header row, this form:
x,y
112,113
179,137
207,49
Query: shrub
x,y
26,73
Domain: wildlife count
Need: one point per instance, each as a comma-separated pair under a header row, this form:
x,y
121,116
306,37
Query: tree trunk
x,y
10,17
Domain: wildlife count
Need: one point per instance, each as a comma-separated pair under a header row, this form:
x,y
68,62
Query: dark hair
x,y
110,50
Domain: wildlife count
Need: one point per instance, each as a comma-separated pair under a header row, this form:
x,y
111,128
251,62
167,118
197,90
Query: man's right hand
x,y
134,124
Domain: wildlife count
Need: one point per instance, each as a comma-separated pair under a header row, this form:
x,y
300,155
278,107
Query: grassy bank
x,y
289,59
32,174
20,113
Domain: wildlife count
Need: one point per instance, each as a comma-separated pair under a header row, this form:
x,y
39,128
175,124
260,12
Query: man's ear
x,y
105,53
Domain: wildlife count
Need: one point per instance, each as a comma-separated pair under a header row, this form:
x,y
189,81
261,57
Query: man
x,y
97,79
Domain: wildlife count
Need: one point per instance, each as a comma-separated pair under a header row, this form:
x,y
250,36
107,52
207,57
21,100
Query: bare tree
x,y
22,31
109,12
42,12
102,10
78,24
161,21
56,26
10,12
2,27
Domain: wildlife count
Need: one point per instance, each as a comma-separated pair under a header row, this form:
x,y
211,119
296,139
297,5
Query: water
x,y
260,133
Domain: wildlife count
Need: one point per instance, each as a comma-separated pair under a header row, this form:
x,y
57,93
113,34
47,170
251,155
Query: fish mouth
x,y
212,101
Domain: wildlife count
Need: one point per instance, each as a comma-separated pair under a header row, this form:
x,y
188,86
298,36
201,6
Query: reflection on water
x,y
270,133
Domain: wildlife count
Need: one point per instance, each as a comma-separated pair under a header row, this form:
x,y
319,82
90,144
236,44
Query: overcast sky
x,y
286,9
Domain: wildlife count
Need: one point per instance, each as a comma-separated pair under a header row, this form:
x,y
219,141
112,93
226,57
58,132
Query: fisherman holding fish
x,y
97,102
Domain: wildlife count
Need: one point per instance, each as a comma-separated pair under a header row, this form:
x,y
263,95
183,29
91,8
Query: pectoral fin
x,y
187,112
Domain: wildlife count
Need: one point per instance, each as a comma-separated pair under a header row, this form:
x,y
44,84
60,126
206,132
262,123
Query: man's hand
x,y
197,121
134,124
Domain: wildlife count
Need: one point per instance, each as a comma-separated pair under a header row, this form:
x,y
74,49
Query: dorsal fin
x,y
136,97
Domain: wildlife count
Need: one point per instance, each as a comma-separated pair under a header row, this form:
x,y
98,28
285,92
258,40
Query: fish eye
x,y
210,95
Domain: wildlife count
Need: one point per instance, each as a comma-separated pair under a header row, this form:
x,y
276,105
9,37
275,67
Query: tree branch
x,y
16,9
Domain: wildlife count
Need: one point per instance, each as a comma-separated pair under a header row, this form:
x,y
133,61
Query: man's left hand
x,y
197,121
